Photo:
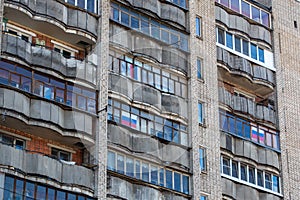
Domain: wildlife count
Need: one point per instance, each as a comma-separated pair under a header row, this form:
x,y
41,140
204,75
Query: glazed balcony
x,y
45,118
54,18
247,106
43,166
240,71
48,58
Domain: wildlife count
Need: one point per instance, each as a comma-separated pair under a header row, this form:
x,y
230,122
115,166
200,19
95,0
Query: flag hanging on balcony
x,y
133,121
254,135
125,118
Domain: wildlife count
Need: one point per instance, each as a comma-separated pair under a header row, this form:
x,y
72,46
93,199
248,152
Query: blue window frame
x,y
253,51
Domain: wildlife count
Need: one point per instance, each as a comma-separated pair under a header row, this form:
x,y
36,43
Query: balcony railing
x,y
241,65
247,105
33,163
46,57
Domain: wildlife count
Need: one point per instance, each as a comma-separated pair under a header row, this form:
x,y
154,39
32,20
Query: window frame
x,y
202,160
198,26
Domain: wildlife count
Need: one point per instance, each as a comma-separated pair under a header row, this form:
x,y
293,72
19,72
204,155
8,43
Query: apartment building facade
x,y
158,99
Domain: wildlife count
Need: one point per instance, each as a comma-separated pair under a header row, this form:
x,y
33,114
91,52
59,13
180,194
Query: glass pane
x,y
177,181
48,92
239,127
265,18
111,157
165,36
229,42
129,167
247,130
237,41
71,196
145,172
161,177
260,181
202,159
81,102
254,51
155,32
59,96
268,183
199,75
91,5
221,36
145,27
81,3
115,14
41,192
169,179
235,5
51,194
245,9
275,184
25,84
226,166
137,169
231,125
261,55
200,117
225,2
135,23
61,195
198,26
261,136
224,123
71,2
252,175
124,18
8,188
15,80
168,133
185,184
254,134
29,190
19,189
244,172
120,164
255,14
246,47
234,172
154,175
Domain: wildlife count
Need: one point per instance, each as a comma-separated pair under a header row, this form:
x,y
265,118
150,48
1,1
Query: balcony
x,y
54,18
50,59
44,118
43,166
138,92
247,106
240,71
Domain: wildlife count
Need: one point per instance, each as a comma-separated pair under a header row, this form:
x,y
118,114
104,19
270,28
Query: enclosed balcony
x,y
47,58
60,173
242,72
247,106
54,18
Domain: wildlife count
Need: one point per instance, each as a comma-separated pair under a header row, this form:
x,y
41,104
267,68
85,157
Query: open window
x,y
66,51
19,32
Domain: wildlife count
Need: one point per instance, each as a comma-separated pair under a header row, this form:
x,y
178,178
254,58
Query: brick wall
x,y
39,145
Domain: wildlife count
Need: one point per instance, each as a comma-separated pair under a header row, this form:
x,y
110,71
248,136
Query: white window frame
x,y
20,31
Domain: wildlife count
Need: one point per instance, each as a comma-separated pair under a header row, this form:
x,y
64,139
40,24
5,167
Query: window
x,y
245,47
221,36
246,9
89,5
258,134
47,87
229,40
198,26
200,113
148,26
150,75
19,32
235,170
255,13
148,172
60,154
226,166
253,51
235,5
147,123
12,141
255,177
243,172
199,68
252,177
203,197
66,51
202,159
16,188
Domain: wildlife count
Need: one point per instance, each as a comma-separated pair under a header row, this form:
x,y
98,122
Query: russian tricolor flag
x,y
125,118
261,136
133,121
254,136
